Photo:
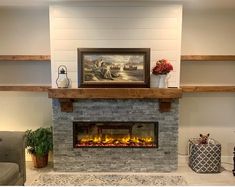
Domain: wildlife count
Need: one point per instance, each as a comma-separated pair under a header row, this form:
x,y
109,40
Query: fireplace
x,y
115,134
107,116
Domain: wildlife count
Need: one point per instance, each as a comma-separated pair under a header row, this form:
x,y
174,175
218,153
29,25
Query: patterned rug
x,y
108,179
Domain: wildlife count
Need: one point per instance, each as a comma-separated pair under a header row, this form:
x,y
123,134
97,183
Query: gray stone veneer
x,y
161,159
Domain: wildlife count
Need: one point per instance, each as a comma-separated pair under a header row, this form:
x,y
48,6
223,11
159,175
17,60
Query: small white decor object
x,y
154,81
62,80
163,81
159,74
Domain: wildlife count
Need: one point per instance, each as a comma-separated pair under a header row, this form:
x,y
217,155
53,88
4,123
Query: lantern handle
x,y
62,66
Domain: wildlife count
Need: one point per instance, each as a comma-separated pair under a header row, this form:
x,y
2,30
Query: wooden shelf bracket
x,y
165,105
66,105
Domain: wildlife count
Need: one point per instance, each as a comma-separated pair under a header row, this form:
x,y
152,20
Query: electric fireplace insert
x,y
115,134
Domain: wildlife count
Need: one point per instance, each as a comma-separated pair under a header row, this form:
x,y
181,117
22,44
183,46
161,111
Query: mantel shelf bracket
x,y
66,105
165,105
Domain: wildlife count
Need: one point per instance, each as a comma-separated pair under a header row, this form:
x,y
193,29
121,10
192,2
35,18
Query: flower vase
x,y
154,81
163,81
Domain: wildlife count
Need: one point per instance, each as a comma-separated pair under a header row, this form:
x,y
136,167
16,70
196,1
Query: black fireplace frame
x,y
156,134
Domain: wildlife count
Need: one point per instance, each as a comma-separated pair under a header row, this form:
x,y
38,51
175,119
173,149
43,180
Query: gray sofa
x,y
12,158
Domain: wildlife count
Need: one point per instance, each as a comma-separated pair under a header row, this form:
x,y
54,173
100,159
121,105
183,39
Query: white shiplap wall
x,y
115,25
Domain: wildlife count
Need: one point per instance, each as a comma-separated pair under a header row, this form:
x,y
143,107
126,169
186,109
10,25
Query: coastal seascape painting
x,y
112,67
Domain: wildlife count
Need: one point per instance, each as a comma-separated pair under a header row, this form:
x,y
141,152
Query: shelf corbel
x,y
165,105
66,105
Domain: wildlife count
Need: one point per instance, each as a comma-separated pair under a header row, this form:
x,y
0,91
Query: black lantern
x,y
62,80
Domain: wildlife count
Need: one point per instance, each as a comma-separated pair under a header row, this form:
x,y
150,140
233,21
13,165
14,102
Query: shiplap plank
x,y
72,45
115,23
71,66
115,12
170,56
73,76
71,56
118,34
111,3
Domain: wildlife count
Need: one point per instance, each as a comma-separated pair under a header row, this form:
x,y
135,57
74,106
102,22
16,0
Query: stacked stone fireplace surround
x,y
161,159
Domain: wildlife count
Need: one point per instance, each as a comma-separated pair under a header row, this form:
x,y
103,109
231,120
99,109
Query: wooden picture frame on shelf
x,y
114,67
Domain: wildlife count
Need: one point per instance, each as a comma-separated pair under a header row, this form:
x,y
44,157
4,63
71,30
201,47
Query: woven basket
x,y
205,158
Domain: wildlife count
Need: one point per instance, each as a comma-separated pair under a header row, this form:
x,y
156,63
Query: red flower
x,y
162,67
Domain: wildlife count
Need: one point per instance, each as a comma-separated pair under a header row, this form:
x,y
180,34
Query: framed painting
x,y
113,67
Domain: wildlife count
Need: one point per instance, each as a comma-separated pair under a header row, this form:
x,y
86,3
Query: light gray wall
x,y
210,33
21,111
24,31
207,73
32,73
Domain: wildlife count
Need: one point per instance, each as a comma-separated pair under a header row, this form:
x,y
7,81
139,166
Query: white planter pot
x,y
158,81
154,81
163,81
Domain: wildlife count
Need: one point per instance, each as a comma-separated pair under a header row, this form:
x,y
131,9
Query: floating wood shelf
x,y
43,58
195,89
207,58
67,96
25,88
47,58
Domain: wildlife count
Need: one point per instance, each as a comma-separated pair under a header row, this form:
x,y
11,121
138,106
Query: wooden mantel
x,y
115,93
67,96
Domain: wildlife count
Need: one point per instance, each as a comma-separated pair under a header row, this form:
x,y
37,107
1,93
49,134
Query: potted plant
x,y
39,143
161,69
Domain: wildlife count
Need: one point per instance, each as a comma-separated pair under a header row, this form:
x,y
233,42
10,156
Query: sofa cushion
x,y
9,173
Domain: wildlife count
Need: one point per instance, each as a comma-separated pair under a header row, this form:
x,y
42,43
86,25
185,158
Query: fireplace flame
x,y
111,140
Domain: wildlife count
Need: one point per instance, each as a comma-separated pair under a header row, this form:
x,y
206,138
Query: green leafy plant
x,y
39,142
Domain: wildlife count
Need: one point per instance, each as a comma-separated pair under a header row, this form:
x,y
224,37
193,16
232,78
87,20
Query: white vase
x,y
154,81
163,81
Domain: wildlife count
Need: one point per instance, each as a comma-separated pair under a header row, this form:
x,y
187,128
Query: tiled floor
x,y
224,178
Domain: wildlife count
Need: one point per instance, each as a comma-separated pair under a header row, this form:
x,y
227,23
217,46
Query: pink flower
x,y
162,67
